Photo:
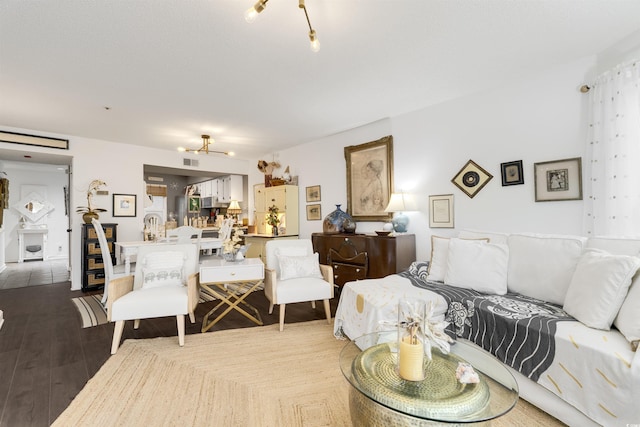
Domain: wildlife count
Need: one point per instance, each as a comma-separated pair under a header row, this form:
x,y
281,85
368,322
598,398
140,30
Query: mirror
x,y
33,207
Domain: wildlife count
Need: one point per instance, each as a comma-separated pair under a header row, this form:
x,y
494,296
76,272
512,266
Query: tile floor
x,y
34,273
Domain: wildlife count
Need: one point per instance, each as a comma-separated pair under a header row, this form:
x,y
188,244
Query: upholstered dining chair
x,y
165,283
293,274
110,271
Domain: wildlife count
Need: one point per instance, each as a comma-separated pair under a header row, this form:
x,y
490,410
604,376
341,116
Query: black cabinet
x,y
92,263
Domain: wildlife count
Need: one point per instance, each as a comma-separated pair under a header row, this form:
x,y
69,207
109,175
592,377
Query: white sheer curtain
x,y
612,185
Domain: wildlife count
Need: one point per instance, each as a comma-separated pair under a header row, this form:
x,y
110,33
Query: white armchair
x,y
293,274
165,283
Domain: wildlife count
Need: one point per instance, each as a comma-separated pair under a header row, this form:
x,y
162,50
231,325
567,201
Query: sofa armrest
x,y
118,288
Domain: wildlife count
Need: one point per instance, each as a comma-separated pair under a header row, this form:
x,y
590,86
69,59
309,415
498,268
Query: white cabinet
x,y
229,188
285,197
206,189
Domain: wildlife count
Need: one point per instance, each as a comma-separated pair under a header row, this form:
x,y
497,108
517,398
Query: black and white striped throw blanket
x,y
518,330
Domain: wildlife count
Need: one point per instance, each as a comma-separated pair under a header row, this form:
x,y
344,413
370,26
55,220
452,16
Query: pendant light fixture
x,y
252,13
206,141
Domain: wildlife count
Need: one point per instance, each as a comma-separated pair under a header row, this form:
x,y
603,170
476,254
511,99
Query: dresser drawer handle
x,y
357,270
233,273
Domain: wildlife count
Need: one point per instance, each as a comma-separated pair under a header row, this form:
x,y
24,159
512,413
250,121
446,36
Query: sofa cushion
x,y
439,254
598,287
477,265
541,266
492,237
628,320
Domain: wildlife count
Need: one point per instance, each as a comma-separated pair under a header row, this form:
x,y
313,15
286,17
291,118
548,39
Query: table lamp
x,y
234,209
399,203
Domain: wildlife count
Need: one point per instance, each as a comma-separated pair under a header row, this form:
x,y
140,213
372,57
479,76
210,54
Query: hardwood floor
x,y
46,357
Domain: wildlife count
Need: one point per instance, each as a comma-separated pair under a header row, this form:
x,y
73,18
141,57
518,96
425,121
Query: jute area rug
x,y
243,377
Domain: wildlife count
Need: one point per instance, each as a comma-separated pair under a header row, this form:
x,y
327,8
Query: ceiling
x,y
161,73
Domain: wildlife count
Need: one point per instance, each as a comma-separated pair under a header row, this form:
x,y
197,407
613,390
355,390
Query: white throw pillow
x,y
492,237
598,287
438,263
477,265
163,269
292,267
541,266
439,254
628,319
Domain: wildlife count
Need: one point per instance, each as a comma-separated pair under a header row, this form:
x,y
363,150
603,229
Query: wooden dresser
x,y
92,264
364,256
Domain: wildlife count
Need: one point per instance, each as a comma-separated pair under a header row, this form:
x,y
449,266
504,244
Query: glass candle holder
x,y
411,316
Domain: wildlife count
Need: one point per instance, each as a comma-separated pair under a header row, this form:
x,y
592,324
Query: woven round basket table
x,y
380,397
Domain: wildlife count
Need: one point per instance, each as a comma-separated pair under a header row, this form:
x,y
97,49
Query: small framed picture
x,y
471,178
512,173
441,211
313,193
314,212
124,205
558,180
194,204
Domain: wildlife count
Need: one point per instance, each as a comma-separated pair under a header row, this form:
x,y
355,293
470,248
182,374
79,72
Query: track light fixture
x,y
205,148
252,13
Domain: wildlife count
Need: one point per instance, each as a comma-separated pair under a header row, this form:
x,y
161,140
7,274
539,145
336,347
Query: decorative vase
x,y
349,225
334,222
411,315
229,256
88,216
274,230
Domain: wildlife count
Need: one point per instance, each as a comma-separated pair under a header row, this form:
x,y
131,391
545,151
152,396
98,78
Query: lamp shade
x,y
400,202
234,208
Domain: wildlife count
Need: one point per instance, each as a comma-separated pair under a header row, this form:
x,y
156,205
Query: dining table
x,y
125,250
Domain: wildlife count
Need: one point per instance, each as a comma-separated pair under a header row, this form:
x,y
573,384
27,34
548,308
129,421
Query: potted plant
x,y
273,220
89,212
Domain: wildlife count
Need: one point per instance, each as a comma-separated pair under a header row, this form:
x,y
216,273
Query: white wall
x,y
53,181
121,167
533,119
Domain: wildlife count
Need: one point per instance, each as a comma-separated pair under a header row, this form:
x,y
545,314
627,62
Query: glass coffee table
x,y
378,396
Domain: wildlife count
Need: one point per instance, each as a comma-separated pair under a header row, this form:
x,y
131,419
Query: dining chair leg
x,y
270,308
117,335
192,317
136,324
180,322
282,317
313,304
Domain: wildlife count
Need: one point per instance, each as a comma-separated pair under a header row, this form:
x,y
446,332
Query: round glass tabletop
x,y
369,363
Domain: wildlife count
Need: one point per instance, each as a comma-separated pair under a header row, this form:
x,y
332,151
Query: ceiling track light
x,y
252,13
206,140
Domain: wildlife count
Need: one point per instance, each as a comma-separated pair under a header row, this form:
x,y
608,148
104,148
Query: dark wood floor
x,y
46,357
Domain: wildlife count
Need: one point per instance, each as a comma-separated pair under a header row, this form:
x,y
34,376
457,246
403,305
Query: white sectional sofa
x,y
575,302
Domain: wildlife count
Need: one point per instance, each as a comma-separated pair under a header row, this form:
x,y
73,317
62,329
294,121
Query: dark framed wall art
x,y
512,173
558,180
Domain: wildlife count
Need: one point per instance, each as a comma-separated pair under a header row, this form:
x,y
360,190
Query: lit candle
x,y
411,359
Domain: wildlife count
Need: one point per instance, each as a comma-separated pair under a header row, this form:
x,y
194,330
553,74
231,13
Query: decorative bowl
x,y
383,233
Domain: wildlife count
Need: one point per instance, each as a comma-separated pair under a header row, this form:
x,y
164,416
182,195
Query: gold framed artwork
x,y
313,193
558,180
369,179
471,178
441,211
314,212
